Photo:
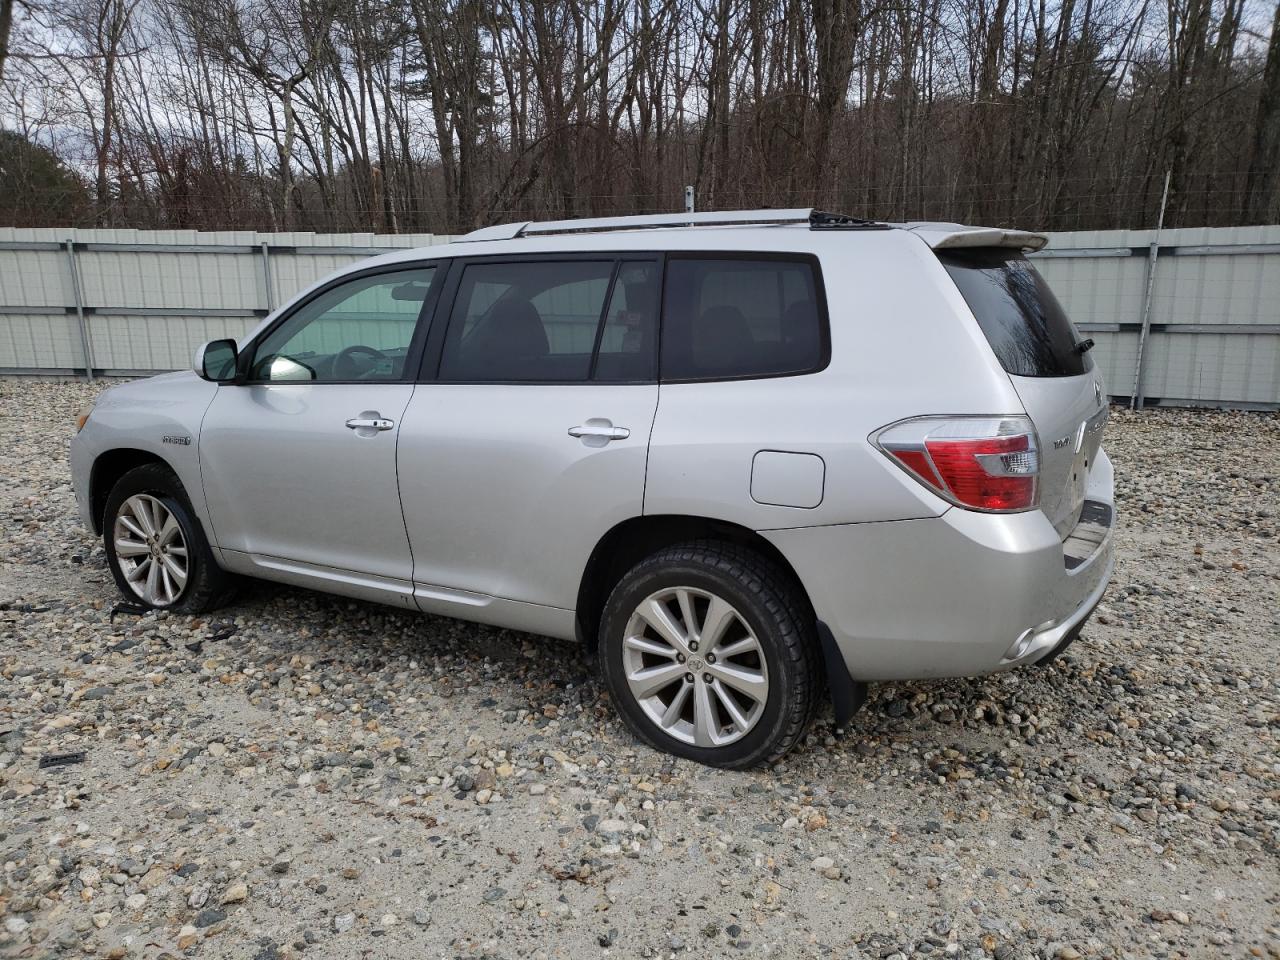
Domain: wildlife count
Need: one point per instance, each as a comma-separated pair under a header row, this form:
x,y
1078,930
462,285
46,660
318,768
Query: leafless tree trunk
x,y
1262,190
836,25
6,26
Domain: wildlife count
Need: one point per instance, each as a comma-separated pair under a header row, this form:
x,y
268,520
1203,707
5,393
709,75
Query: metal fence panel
x,y
157,342
152,297
34,278
1096,289
1115,354
1244,368
149,298
291,272
42,341
186,281
1215,309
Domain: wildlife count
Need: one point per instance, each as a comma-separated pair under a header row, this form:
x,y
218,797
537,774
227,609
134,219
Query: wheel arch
x,y
108,468
630,541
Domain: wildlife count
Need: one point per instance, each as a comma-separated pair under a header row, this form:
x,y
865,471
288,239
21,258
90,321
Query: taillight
x,y
982,463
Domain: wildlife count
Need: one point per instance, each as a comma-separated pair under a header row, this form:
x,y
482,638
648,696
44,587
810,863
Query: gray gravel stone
x,y
1124,801
344,922
207,918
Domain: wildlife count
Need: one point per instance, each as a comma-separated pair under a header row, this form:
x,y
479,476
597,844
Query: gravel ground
x,y
301,775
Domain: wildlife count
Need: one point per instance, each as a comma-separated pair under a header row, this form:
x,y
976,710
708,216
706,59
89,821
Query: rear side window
x,y
1021,318
736,317
525,321
561,321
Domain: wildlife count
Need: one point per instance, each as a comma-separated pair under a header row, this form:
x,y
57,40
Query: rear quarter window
x,y
1023,321
743,316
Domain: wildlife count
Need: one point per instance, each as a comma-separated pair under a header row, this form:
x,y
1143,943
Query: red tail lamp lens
x,y
983,463
963,466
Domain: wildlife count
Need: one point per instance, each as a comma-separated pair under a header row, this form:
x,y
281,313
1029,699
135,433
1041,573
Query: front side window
x,y
358,331
560,321
741,317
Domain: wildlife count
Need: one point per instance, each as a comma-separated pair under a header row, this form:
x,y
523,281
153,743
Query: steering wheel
x,y
345,366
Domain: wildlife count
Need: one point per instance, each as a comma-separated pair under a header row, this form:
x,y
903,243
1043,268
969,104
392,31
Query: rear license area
x,y
1089,533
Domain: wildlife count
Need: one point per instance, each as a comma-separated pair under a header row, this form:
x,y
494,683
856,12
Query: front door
x,y
529,441
299,462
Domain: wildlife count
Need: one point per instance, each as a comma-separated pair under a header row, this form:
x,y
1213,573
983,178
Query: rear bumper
x,y
1039,643
962,594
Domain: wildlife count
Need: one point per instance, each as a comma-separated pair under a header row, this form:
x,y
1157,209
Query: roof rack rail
x,y
821,220
816,219
722,218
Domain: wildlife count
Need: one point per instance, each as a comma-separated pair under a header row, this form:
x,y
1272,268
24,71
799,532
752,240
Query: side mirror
x,y
216,361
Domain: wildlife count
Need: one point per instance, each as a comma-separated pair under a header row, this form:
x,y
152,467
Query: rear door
x,y
1048,363
526,440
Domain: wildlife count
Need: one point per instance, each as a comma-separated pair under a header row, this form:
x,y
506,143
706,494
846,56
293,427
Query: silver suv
x,y
751,460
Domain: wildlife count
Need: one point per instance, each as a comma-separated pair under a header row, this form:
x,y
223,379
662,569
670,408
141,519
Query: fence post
x,y
80,317
688,199
266,276
1153,253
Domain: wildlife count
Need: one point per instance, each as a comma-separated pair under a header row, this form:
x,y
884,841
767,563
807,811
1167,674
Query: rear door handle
x,y
370,423
599,430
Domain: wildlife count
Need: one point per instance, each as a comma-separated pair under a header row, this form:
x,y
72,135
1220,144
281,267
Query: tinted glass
x,y
219,360
629,340
740,318
360,330
525,321
1021,318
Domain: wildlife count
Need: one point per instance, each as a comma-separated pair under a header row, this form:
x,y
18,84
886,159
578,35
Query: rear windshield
x,y
1022,319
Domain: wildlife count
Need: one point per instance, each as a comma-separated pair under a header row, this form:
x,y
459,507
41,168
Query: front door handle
x,y
596,432
370,423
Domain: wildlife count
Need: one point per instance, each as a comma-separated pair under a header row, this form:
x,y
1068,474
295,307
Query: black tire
x,y
208,586
775,611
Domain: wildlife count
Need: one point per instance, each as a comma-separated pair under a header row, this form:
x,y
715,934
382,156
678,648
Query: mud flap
x,y
847,695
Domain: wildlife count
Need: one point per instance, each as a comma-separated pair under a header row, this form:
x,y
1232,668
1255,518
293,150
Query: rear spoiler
x,y
949,236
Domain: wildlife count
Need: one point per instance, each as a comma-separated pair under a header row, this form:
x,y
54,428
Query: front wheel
x,y
157,551
709,654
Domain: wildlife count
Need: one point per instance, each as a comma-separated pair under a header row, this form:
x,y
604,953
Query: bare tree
x,y
446,114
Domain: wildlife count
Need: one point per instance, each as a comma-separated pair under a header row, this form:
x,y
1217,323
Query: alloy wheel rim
x,y
151,550
695,667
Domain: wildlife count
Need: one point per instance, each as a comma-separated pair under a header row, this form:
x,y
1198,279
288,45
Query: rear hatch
x,y
1048,363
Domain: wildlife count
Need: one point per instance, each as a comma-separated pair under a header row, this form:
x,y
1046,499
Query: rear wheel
x,y
157,551
709,655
